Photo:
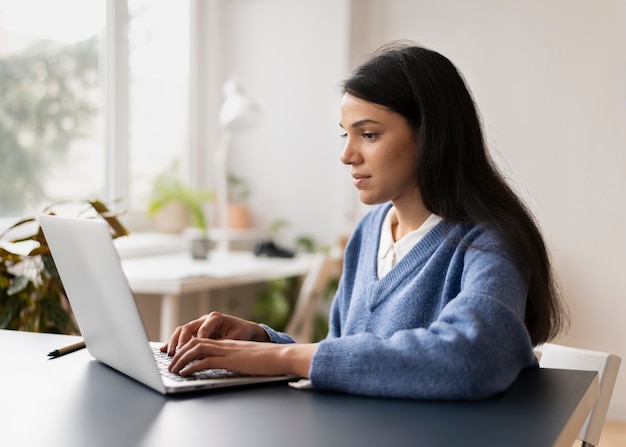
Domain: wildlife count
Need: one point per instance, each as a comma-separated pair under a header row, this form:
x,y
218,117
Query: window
x,y
158,92
51,121
59,100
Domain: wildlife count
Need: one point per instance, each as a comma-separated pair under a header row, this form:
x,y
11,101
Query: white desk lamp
x,y
237,114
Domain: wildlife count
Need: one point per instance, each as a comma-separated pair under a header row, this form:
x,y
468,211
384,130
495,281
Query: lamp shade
x,y
237,112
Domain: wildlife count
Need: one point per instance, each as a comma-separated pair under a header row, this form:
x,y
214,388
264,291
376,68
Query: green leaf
x,y
39,303
11,309
18,284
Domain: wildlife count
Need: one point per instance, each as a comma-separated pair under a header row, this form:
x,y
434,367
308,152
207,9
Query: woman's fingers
x,y
172,343
215,326
181,335
194,356
245,357
189,331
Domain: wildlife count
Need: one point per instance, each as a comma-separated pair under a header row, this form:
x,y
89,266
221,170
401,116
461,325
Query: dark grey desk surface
x,y
77,401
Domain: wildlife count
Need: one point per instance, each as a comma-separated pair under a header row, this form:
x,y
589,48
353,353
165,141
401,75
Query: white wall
x,y
289,57
548,76
550,80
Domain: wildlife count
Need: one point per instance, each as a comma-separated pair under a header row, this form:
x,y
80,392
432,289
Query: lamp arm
x,y
221,187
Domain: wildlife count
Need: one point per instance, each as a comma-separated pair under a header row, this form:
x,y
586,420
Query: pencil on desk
x,y
66,349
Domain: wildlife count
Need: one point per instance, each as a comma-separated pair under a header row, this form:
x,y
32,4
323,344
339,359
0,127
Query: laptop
x,y
106,312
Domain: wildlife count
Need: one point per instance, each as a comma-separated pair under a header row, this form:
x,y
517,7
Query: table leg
x,y
170,313
204,303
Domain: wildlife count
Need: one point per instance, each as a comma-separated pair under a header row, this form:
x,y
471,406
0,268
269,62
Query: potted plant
x,y
239,215
32,297
174,205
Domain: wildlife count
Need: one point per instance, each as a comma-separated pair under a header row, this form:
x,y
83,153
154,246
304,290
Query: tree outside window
x,y
50,104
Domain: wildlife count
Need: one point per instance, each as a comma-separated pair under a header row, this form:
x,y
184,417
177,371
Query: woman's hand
x,y
244,357
215,326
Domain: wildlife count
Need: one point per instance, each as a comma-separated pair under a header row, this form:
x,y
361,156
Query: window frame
x,y
203,25
116,74
117,86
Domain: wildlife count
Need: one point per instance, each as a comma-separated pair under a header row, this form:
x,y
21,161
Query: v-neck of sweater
x,y
391,252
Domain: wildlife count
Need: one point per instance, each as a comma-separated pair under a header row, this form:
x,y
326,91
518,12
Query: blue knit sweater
x,y
447,322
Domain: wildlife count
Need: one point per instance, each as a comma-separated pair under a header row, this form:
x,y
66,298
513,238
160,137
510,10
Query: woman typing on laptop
x,y
446,285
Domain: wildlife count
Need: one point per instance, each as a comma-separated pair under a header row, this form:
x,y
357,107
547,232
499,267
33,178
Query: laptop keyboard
x,y
163,360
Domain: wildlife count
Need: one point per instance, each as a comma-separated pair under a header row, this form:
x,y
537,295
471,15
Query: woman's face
x,y
381,149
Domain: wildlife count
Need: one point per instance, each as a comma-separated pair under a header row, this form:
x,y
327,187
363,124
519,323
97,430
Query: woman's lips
x,y
359,179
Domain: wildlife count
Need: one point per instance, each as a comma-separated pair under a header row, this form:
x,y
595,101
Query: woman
x,y
446,284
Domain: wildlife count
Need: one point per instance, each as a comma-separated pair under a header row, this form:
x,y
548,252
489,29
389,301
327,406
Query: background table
x,y
76,401
171,276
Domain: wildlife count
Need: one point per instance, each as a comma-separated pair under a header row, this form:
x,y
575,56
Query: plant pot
x,y
173,217
200,248
239,216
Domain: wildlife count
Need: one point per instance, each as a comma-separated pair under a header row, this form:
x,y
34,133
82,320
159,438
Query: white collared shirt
x,y
390,252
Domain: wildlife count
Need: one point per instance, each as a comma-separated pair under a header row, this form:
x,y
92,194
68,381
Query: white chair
x,y
607,365
301,325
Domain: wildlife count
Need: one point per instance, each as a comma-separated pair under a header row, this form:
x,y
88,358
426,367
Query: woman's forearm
x,y
297,357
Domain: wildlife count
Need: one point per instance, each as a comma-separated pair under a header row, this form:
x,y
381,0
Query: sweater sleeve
x,y
277,337
475,348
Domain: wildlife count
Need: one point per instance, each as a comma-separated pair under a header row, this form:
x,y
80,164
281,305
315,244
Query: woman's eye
x,y
365,135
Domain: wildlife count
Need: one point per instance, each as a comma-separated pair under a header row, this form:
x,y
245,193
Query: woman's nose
x,y
348,154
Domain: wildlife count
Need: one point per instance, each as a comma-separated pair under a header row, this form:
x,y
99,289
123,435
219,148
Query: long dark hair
x,y
455,175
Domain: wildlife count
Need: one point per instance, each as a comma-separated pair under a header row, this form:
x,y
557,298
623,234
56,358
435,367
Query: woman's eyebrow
x,y
360,123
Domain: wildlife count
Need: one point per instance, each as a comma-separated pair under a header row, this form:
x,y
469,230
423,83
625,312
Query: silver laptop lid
x,y
100,296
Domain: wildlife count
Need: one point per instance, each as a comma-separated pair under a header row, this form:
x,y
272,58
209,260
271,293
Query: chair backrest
x,y
302,322
607,365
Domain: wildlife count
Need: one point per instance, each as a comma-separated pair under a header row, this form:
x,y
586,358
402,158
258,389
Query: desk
x,y
173,275
76,401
